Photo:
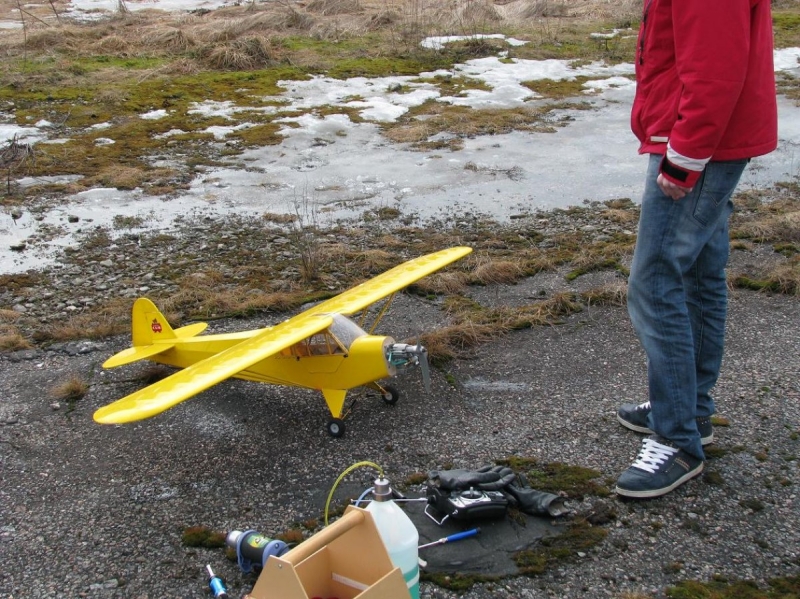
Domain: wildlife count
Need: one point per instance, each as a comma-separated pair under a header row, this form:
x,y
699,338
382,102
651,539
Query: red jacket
x,y
705,84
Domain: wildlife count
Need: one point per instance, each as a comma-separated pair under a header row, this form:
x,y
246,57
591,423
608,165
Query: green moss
x,y
787,249
202,536
673,567
714,451
746,282
417,478
560,39
455,86
15,282
600,264
752,504
387,213
562,88
382,67
100,62
457,582
555,477
292,536
786,28
779,588
127,222
259,135
579,536
712,477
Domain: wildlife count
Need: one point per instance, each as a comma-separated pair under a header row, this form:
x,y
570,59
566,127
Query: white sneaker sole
x,y
647,494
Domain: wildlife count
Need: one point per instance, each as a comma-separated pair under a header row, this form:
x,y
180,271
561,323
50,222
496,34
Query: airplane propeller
x,y
422,360
403,355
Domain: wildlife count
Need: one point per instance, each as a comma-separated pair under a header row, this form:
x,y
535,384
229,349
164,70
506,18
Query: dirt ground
x,y
99,511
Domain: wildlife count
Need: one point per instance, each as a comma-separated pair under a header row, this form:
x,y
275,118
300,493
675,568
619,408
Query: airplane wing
x,y
401,276
190,381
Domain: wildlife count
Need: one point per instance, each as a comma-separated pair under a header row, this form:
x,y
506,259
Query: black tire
x,y
335,428
390,395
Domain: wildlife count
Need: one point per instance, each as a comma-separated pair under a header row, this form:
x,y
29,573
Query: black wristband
x,y
673,171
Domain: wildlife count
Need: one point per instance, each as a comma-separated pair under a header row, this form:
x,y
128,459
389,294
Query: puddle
x,y
331,169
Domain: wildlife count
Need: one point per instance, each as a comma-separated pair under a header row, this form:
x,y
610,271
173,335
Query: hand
x,y
676,192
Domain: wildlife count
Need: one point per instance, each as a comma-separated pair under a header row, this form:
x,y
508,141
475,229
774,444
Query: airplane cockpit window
x,y
336,339
345,330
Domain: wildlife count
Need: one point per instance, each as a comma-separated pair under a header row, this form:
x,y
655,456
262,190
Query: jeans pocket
x,y
715,188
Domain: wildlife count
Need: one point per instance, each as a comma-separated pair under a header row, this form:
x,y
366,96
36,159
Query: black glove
x,y
533,502
487,478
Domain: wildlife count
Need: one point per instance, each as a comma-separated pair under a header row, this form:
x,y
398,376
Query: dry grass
x,y
241,54
121,177
334,7
13,341
464,122
551,310
175,40
622,217
158,33
70,390
610,294
280,219
452,341
86,326
371,262
771,218
786,277
772,227
201,297
443,283
781,277
7,315
492,272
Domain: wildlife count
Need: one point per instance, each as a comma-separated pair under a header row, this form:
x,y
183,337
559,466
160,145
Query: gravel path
x,y
97,511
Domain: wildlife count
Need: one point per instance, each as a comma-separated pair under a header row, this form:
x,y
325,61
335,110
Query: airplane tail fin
x,y
151,334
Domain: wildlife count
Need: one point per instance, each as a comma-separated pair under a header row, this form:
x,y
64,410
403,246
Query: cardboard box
x,y
346,560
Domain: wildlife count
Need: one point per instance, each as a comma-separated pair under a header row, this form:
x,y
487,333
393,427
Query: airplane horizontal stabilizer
x,y
133,354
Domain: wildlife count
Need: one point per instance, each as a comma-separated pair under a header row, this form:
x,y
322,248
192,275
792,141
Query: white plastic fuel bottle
x,y
398,533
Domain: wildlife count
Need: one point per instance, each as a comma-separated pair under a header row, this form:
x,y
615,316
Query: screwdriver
x,y
456,537
216,585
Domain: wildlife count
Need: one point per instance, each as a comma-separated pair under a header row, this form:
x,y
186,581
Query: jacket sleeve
x,y
712,50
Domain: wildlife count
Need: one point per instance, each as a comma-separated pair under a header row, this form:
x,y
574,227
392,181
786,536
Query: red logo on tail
x,y
156,326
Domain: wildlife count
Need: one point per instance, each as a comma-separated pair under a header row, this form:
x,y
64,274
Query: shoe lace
x,y
652,455
643,406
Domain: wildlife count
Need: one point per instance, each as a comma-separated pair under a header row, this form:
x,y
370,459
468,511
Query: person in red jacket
x,y
705,104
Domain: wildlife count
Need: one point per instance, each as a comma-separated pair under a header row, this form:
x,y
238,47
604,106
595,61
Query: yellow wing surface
x,y
401,276
200,376
186,383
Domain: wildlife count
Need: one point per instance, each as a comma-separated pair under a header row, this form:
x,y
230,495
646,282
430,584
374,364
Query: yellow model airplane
x,y
318,349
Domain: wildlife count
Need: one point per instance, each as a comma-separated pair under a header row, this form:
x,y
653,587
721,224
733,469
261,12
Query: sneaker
x,y
659,468
634,417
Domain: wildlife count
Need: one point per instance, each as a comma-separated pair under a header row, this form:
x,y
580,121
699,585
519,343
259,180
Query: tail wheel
x,y
389,394
335,427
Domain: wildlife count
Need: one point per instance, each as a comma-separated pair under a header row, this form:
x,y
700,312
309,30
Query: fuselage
x,y
332,367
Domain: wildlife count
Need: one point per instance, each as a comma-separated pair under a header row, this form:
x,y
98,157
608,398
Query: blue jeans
x,y
677,297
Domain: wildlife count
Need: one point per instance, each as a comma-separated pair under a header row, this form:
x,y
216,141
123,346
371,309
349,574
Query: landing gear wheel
x,y
389,394
335,427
